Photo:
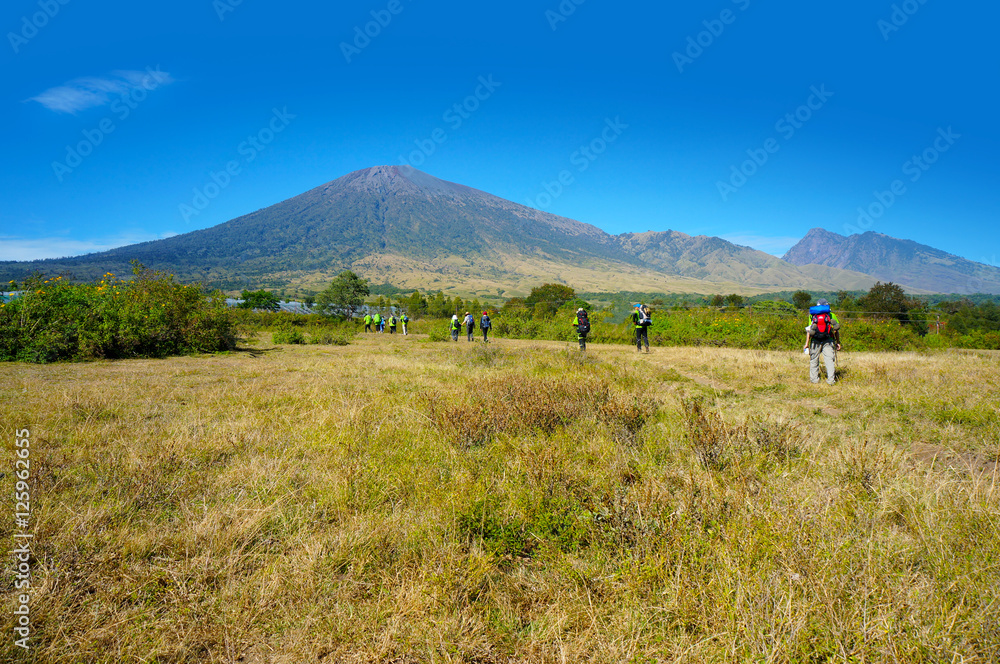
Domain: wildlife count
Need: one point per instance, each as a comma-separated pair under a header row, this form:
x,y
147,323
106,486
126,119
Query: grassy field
x,y
395,500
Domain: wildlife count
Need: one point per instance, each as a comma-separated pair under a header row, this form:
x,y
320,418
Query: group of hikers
x,y
380,322
822,333
641,320
822,336
469,323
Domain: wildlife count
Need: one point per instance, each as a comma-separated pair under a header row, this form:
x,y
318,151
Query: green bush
x,y
288,335
149,316
438,334
327,337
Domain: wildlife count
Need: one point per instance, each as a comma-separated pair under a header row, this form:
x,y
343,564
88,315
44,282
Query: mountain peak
x,y
891,259
823,233
398,179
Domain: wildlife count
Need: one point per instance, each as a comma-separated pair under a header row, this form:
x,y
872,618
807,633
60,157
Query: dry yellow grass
x,y
306,504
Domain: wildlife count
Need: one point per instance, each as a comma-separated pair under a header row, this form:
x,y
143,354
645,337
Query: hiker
x,y
470,326
405,319
377,319
582,324
392,324
456,325
642,320
822,302
484,325
822,339
368,323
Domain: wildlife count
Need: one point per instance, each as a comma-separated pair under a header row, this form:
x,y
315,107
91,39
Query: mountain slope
x,y
890,259
397,224
715,259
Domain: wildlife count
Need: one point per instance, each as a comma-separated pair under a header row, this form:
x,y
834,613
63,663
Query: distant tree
x,y
578,303
476,307
734,301
458,307
438,306
308,300
774,307
953,307
842,298
546,299
415,304
717,301
345,295
885,301
515,306
260,300
801,299
970,318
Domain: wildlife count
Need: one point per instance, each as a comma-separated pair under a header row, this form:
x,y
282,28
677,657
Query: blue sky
x,y
750,120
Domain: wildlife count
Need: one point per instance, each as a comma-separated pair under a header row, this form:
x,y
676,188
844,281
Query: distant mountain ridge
x,y
891,259
399,225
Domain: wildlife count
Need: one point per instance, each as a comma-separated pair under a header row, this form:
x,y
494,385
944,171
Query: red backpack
x,y
824,327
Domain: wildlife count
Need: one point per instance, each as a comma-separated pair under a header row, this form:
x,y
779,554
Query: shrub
x,y
287,336
328,338
148,316
437,334
720,446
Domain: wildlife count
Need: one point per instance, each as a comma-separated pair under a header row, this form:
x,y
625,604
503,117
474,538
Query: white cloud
x,y
774,245
31,249
93,91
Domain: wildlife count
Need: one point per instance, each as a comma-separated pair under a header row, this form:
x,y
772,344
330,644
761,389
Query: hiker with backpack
x,y
405,319
485,325
470,326
368,323
641,319
392,324
377,319
582,324
456,325
822,340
